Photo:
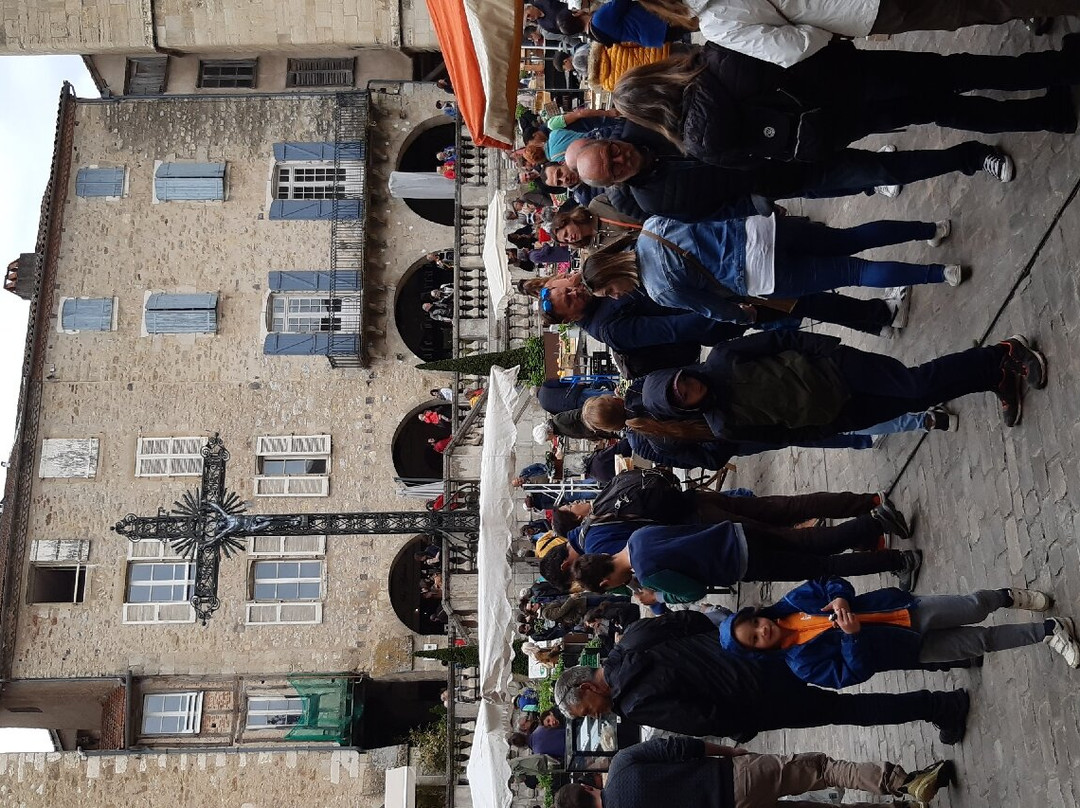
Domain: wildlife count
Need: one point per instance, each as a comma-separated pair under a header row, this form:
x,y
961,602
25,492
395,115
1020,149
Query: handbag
x,y
784,304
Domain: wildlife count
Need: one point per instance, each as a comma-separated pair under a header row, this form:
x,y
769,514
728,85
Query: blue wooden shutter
x,y
100,182
174,181
307,281
87,314
314,209
181,313
323,344
318,152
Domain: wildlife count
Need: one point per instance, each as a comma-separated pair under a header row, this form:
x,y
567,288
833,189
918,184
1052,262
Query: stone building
x,y
174,46
233,265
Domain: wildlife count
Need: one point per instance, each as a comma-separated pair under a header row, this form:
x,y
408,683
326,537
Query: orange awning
x,y
481,45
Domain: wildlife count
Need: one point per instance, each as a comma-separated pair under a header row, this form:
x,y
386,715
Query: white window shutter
x,y
147,613
150,550
283,613
287,546
60,551
161,457
310,444
272,445
68,457
299,486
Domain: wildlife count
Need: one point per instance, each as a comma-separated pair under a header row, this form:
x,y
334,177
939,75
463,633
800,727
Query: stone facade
x,y
262,779
234,26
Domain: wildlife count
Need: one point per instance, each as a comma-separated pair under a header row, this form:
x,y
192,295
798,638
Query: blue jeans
x,y
908,422
811,257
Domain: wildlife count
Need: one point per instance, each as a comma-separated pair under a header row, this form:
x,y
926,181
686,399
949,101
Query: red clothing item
x,y
431,417
440,445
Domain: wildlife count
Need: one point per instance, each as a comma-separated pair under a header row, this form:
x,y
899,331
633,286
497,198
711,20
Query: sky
x,y
29,99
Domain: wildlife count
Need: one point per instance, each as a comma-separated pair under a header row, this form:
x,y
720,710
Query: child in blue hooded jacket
x,y
831,637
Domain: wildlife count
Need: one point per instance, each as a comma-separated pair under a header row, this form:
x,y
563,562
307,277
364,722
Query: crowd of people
x,y
661,224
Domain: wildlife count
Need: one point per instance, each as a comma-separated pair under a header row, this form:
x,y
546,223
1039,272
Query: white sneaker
x,y
954,275
1062,640
899,302
888,191
942,230
1000,166
1031,599
939,418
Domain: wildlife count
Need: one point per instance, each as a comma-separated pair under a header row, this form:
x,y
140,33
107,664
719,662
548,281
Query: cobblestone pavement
x,y
994,506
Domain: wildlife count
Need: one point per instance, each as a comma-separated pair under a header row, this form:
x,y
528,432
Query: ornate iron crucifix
x,y
212,520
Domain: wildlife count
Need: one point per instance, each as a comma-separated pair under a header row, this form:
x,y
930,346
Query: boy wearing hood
x,y
831,637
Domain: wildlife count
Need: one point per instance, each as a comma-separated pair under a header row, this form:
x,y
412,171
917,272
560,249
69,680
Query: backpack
x,y
638,495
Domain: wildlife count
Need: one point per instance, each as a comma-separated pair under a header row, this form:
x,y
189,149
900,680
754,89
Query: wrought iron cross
x,y
211,520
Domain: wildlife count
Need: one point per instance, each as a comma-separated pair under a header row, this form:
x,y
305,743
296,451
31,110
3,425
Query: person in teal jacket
x,y
829,636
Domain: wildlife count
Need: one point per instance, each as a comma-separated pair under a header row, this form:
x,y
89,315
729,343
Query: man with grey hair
x,y
671,673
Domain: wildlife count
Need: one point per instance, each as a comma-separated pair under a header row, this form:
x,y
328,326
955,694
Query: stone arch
x,y
418,154
403,586
415,462
428,339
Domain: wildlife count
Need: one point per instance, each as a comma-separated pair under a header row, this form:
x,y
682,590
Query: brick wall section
x,y
333,778
119,385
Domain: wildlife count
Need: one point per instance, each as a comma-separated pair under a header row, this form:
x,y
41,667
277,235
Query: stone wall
x,y
117,386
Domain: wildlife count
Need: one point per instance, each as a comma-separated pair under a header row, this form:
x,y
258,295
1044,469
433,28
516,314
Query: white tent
x,y
495,263
488,769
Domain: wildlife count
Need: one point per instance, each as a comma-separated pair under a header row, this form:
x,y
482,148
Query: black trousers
x,y
898,16
868,316
780,511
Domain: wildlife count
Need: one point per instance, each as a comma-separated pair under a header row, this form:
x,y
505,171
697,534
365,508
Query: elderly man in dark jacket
x,y
705,775
671,673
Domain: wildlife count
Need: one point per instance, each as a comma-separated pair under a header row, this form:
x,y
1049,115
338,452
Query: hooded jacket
x,y
671,673
685,561
833,658
778,387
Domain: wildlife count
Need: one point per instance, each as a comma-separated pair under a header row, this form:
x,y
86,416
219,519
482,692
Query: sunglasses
x,y
546,304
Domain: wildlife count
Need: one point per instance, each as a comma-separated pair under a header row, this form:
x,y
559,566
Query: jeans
x,y
811,257
760,780
944,620
908,422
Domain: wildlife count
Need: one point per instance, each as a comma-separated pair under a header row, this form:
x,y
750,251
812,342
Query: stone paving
x,y
994,506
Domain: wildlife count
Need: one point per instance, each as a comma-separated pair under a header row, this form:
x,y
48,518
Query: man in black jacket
x,y
671,673
705,775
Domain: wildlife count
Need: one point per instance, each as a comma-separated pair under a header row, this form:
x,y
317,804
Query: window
x,y
171,713
270,712
68,457
189,181
293,466
87,314
320,73
181,313
159,584
317,181
146,75
100,182
312,313
228,73
58,570
286,579
169,457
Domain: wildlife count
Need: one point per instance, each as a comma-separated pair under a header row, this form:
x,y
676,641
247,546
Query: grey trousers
x,y
898,16
760,780
945,623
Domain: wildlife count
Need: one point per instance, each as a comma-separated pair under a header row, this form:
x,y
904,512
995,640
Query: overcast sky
x,y
29,98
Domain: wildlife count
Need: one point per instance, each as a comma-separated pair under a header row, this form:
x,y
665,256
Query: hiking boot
x,y
1010,394
909,573
890,517
940,418
925,783
942,230
954,274
1030,599
1062,640
999,166
952,719
1030,362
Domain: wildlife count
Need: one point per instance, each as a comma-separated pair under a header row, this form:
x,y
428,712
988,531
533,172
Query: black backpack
x,y
638,495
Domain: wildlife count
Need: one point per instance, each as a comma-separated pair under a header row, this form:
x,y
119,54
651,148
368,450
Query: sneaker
x,y
954,274
890,517
940,418
925,783
942,230
899,303
1030,362
1062,640
952,716
999,166
909,573
888,191
1010,394
1030,599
